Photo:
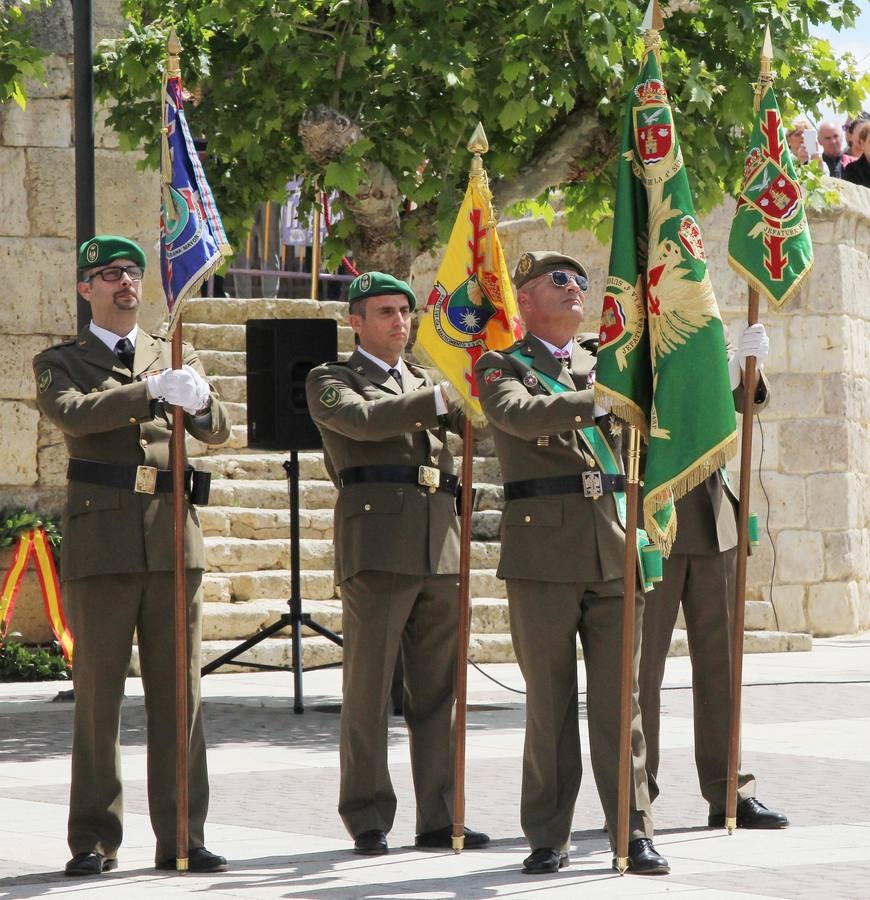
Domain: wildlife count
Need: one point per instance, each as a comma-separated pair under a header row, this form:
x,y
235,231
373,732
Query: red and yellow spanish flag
x,y
471,307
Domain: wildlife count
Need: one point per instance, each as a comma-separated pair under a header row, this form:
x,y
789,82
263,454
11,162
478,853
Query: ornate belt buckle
x,y
592,486
146,480
429,477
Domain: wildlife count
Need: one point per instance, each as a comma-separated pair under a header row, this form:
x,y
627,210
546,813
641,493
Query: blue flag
x,y
192,238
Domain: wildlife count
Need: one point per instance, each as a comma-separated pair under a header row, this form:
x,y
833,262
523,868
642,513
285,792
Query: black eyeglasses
x,y
114,273
561,279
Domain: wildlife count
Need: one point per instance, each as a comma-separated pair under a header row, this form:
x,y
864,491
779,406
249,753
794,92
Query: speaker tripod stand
x,y
295,619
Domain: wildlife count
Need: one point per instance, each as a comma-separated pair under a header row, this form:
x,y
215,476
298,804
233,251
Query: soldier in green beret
x,y
384,425
109,392
562,552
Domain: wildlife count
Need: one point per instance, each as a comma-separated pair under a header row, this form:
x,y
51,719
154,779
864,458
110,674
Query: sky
x,y
855,41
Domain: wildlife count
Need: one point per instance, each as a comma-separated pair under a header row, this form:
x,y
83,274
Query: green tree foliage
x,y
411,78
19,58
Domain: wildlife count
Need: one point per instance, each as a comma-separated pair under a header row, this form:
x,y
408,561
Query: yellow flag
x,y
471,308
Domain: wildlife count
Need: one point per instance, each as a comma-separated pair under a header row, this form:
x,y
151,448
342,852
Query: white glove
x,y
179,387
203,391
752,341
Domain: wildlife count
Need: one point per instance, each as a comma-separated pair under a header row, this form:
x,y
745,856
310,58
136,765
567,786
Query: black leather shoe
x,y
442,839
89,862
198,860
371,843
643,859
751,814
545,861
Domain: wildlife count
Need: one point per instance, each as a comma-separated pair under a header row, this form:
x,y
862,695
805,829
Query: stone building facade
x,y
811,460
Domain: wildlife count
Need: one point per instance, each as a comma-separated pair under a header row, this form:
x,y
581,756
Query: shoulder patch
x,y
44,381
330,397
490,376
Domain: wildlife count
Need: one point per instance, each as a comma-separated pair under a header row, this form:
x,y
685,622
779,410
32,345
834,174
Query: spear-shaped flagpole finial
x,y
478,145
173,55
766,54
652,24
765,75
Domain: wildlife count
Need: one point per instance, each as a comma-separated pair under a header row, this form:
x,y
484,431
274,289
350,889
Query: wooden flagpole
x,y
626,688
477,145
179,509
749,387
462,634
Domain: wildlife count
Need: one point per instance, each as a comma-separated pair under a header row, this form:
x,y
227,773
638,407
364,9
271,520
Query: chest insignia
x,y
530,380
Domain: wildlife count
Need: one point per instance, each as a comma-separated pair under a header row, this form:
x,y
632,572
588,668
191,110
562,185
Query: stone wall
x,y
812,442
37,243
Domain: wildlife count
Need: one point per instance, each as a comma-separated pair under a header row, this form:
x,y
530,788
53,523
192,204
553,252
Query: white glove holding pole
x,y
182,387
752,341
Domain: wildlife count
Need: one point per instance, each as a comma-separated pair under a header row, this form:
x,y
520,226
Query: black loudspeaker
x,y
280,353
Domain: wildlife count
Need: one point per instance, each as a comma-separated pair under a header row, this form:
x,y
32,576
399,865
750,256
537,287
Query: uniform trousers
x,y
104,612
704,584
545,619
383,612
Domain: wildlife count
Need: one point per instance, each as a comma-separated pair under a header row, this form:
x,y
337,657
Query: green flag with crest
x,y
770,244
662,363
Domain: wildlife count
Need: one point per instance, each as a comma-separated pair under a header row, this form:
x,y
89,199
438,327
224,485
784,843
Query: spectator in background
x,y
858,172
835,160
795,138
852,129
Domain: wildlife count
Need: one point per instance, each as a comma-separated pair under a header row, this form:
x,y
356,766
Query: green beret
x,y
106,248
376,284
538,262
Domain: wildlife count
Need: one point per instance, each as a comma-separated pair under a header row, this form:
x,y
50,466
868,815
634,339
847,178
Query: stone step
x,y
231,388
315,584
236,443
240,587
232,337
222,362
271,494
276,652
759,616
237,621
483,648
232,554
233,521
264,465
236,311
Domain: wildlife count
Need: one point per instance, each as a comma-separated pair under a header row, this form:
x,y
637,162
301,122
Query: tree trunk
x,y
579,149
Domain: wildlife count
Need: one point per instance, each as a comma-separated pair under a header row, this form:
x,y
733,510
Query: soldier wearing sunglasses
x,y
562,552
108,391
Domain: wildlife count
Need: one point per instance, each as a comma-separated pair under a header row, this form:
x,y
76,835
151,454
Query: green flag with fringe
x,y
662,363
770,244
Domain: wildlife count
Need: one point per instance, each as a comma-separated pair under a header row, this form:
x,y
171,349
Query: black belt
x,y
592,484
425,476
139,479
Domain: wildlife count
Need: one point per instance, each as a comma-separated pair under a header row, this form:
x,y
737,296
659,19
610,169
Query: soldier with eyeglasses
x,y
109,391
562,556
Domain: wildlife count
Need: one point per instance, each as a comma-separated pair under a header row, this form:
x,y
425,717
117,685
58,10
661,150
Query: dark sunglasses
x,y
561,279
114,273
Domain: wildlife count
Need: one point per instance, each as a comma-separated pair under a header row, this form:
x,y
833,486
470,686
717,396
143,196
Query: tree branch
x,y
578,149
